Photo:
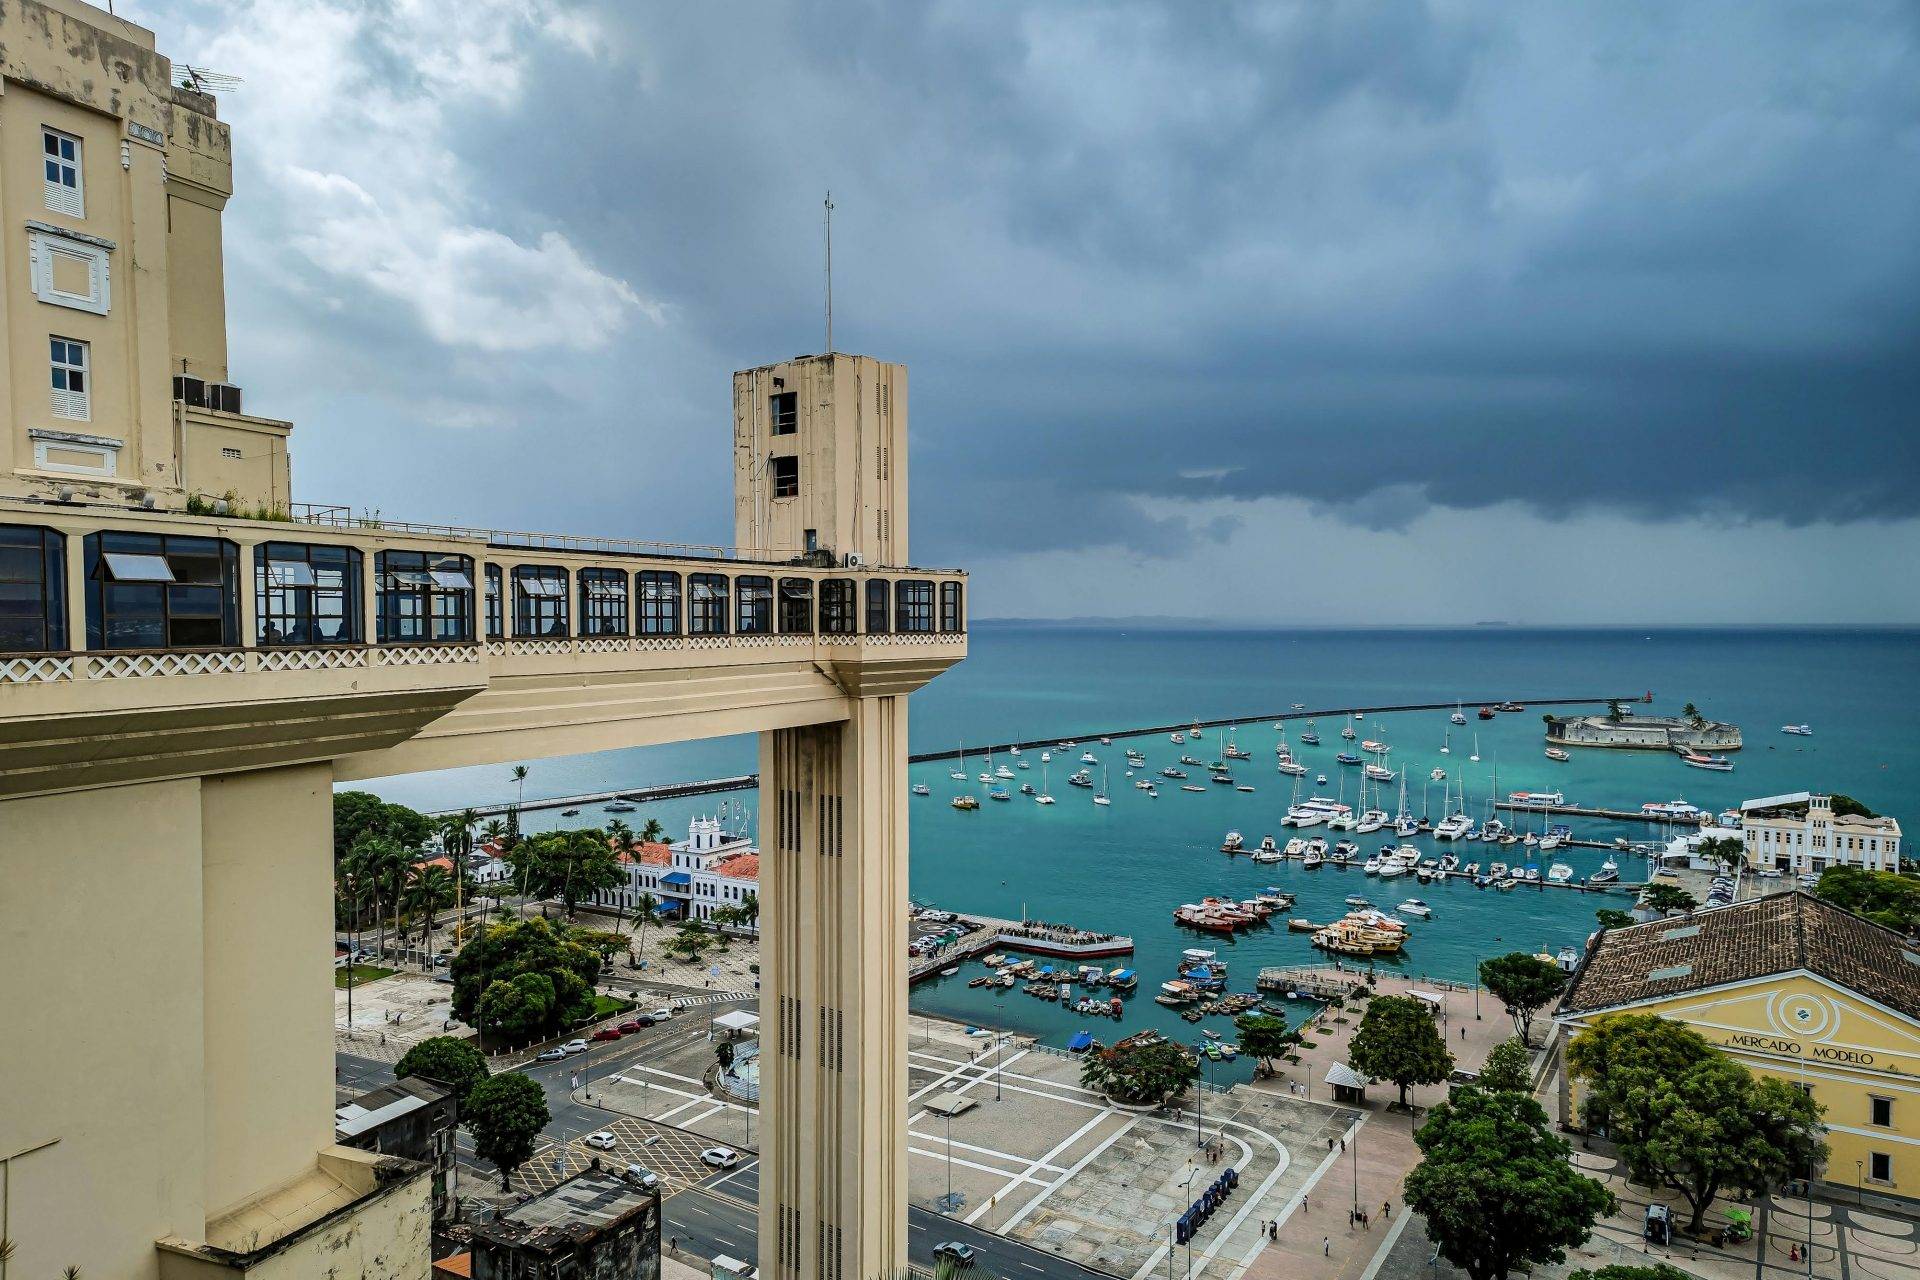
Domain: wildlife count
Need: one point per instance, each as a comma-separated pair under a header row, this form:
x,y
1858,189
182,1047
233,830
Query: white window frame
x,y
44,250
59,197
105,450
76,406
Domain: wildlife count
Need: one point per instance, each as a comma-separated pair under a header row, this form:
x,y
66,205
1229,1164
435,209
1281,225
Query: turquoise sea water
x,y
1125,867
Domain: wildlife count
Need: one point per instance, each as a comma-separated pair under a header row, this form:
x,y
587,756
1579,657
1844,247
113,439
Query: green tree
x,y
1265,1036
1614,711
428,891
1693,716
1634,1271
651,832
1663,897
1884,897
691,938
445,1060
644,905
1614,918
505,1114
520,1008
1491,1158
1397,1041
377,865
494,830
1508,1068
568,865
359,814
1524,984
1845,806
1687,1117
1727,849
750,905
1140,1073
499,953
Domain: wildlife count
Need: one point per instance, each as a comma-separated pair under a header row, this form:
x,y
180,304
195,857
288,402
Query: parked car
x,y
721,1157
645,1177
661,1015
1659,1226
574,1046
960,1251
632,1025
608,1033
601,1141
551,1055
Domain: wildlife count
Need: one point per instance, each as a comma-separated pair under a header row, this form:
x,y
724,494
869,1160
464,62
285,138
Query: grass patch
x,y
607,1006
362,974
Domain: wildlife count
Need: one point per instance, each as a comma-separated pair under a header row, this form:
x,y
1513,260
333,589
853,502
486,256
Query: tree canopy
x,y
1614,918
1397,1041
1881,896
1845,806
361,813
488,971
1265,1036
1490,1157
568,865
1664,897
505,1114
1140,1072
1687,1117
1508,1068
445,1060
1524,984
1634,1271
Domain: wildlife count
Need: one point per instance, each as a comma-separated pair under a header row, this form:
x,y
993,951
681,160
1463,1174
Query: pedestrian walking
x,y
1330,1144
1326,1246
1343,1142
1386,1209
1305,1204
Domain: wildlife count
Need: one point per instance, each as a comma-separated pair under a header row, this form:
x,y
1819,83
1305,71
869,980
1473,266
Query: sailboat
x,y
959,774
1309,736
1475,757
1101,798
1043,797
987,775
1347,732
1446,743
1459,716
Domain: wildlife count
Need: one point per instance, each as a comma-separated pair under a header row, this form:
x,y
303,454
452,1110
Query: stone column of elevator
x,y
820,469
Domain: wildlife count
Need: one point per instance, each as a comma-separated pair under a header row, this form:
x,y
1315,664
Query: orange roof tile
x,y
460,1264
740,866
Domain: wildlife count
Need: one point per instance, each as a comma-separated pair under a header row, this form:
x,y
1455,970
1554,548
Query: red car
x,y
628,1028
607,1033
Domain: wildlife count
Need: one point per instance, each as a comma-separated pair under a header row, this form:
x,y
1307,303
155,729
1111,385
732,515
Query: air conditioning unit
x,y
223,397
855,560
191,390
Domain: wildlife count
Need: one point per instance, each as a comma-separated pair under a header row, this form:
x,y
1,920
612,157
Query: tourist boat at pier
x,y
922,789
1234,843
1676,810
1536,799
1798,730
1701,760
1370,821
1555,836
1609,872
1558,754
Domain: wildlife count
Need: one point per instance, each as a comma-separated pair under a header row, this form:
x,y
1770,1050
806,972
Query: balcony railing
x,y
128,664
338,517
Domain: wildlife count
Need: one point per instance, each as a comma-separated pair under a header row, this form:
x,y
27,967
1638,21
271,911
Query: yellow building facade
x,y
1790,987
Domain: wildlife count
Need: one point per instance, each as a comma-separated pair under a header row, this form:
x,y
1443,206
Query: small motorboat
x,y
1415,907
1026,788
1320,781
1558,755
999,793
1797,730
1190,787
922,789
569,813
948,973
966,802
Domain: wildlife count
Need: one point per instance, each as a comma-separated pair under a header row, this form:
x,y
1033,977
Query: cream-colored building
x,y
1800,834
181,687
112,181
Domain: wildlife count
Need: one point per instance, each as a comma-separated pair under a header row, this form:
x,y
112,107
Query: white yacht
x,y
1288,765
1304,815
1458,716
1609,872
1453,828
1437,774
1372,865
1295,847
1798,730
1559,873
1415,907
1380,773
1370,821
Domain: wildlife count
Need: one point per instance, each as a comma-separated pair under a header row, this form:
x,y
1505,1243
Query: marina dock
x,y
1614,815
1055,941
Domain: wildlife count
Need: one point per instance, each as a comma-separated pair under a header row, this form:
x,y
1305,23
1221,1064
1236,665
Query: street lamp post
x,y
1354,1143
1859,1184
997,1042
949,1206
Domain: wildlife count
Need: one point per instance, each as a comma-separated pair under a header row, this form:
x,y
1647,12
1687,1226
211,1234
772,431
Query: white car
x,y
644,1176
551,1055
661,1015
574,1046
721,1157
601,1141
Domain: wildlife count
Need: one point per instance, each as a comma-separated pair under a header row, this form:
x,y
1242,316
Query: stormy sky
x,y
1383,312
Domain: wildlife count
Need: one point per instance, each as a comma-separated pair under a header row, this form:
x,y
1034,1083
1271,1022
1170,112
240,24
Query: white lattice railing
x,y
918,637
603,644
308,659
427,655
658,644
122,666
29,669
531,648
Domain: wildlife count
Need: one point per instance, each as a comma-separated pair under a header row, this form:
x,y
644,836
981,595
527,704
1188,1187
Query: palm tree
x,y
429,890
1692,713
378,864
493,830
520,780
621,834
652,832
750,911
644,906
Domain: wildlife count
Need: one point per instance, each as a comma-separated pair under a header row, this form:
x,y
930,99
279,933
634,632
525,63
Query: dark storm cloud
x,y
1644,258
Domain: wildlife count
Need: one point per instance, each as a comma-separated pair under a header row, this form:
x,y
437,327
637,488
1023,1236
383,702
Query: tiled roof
x,y
650,855
741,866
1779,933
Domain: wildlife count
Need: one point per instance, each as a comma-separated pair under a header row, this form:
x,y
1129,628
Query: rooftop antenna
x,y
201,80
829,217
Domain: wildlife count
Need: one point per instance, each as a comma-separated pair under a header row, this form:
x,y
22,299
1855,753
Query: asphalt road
x,y
719,1215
